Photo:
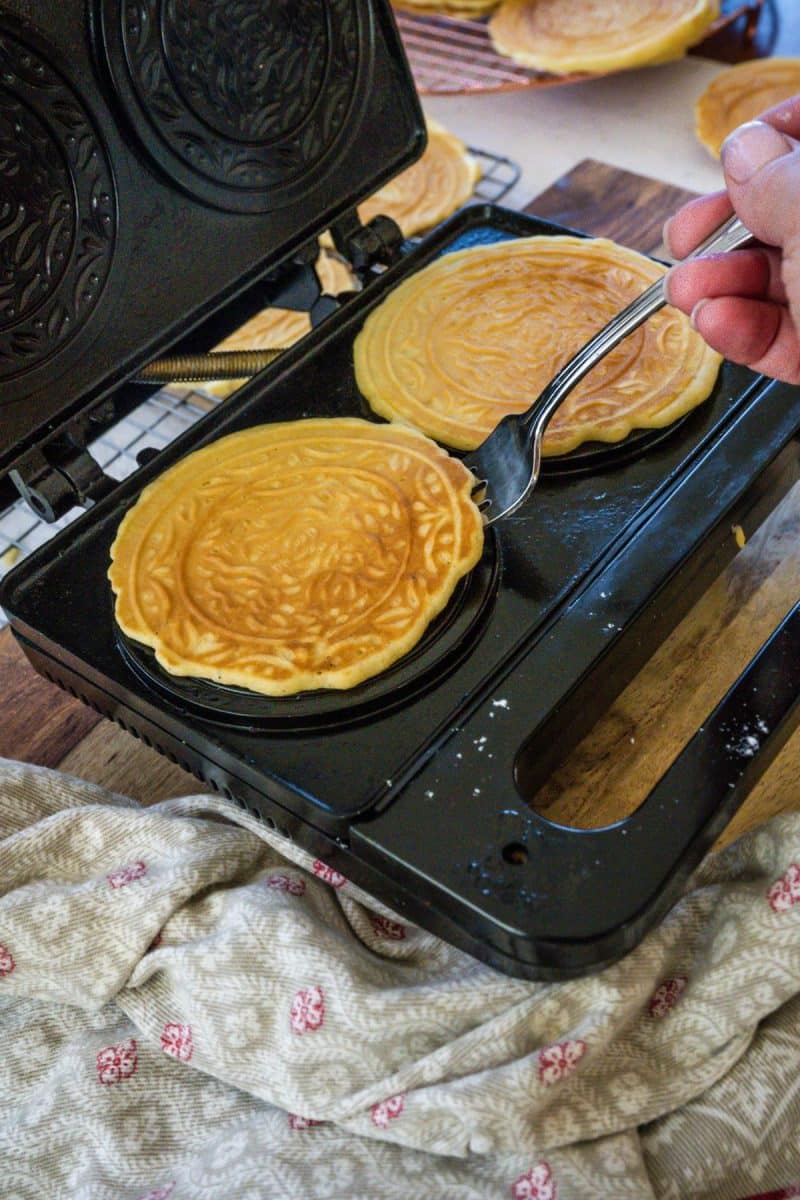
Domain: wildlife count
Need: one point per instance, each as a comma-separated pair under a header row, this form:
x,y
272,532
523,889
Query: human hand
x,y
746,304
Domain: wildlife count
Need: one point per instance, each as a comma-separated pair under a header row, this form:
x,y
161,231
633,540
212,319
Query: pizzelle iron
x,y
507,464
417,785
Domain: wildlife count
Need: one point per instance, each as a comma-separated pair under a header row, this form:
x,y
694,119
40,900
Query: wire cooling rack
x,y
498,177
453,55
166,414
155,423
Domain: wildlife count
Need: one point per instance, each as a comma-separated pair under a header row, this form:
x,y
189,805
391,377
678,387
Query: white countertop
x,y
641,120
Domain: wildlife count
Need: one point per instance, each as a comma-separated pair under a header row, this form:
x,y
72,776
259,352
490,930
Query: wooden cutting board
x,y
609,202
612,770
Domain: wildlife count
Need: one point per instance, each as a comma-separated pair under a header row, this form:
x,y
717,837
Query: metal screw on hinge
x,y
195,368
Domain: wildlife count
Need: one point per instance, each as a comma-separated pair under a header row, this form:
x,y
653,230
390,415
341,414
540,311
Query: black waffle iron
x,y
167,166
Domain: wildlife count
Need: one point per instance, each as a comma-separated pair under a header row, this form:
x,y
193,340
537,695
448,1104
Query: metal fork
x,y
506,465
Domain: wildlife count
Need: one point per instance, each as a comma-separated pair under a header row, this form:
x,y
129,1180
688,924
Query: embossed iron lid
x,y
159,156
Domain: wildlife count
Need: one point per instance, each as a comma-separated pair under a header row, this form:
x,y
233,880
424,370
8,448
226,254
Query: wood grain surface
x,y
612,770
597,198
38,722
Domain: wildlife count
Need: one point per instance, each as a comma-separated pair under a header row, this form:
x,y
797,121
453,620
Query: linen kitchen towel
x,y
192,1007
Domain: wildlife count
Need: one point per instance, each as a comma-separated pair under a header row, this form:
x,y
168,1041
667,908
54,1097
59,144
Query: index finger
x,y
694,221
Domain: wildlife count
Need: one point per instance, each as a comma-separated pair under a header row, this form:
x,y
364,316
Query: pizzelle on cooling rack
x,y
609,35
298,555
430,189
583,35
479,333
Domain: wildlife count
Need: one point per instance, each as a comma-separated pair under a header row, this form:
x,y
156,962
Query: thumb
x,y
762,172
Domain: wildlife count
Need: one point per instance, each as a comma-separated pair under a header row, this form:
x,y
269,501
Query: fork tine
x,y
479,489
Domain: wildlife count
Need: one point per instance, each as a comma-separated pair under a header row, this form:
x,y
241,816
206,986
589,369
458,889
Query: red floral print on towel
x,y
308,1010
296,1122
176,1041
285,883
785,891
127,874
558,1061
393,931
7,963
666,996
536,1184
116,1063
386,1111
160,1193
327,874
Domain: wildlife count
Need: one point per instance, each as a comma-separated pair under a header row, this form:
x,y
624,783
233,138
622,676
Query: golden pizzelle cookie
x,y
277,328
598,35
480,332
428,191
303,554
741,93
431,189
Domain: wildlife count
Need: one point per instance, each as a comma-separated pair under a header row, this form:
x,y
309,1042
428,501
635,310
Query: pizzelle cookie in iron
x,y
479,333
298,555
278,328
740,93
598,35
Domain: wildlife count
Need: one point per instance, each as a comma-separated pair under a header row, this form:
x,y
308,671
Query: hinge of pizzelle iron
x,y
62,474
379,243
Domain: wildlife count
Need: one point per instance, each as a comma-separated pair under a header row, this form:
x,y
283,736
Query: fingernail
x,y
665,285
665,235
695,312
751,147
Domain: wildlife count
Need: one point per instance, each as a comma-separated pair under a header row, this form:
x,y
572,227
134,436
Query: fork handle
x,y
730,236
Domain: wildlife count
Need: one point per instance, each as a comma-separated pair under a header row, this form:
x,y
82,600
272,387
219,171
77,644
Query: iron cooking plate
x,y
162,158
414,783
59,213
447,639
239,111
